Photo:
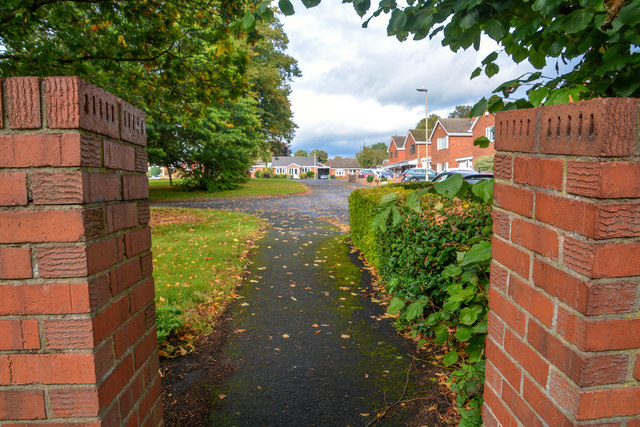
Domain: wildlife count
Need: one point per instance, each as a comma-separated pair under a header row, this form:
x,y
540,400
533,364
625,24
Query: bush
x,y
311,174
258,174
155,170
432,248
369,178
484,164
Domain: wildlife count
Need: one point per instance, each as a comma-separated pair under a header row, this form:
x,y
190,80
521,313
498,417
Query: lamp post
x,y
426,124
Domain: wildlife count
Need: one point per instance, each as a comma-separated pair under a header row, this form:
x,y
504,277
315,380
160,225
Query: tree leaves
x,y
483,189
450,186
395,306
480,252
286,7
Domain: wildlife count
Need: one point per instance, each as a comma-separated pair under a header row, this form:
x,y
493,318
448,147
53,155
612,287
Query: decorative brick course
x,y
563,331
77,318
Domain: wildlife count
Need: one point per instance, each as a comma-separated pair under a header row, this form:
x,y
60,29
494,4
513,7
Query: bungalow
x,y
454,138
343,167
293,166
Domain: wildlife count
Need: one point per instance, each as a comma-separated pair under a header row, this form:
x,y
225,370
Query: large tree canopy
x,y
600,38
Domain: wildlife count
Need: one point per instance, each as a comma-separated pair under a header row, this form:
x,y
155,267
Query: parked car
x,y
418,174
469,175
385,174
366,172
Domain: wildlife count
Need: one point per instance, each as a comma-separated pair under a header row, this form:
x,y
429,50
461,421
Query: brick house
x,y
293,166
341,167
451,141
408,151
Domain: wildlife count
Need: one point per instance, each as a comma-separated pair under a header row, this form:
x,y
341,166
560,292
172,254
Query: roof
x,y
342,163
419,135
456,127
281,161
398,141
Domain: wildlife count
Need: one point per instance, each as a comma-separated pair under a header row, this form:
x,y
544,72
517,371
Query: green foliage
x,y
300,153
369,178
370,156
433,119
155,170
311,174
168,321
321,155
484,163
258,174
599,38
432,248
461,112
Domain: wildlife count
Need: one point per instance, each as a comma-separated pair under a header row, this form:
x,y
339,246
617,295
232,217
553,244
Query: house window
x,y
441,166
443,142
465,162
413,149
339,172
490,132
396,155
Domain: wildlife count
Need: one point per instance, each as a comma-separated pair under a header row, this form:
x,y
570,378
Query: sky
x,y
358,85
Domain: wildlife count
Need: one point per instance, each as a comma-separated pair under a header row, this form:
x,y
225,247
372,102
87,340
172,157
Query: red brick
x,y
119,156
488,419
105,359
596,335
124,276
503,166
516,130
144,214
145,348
137,241
133,124
44,299
131,332
66,149
499,277
532,236
545,408
498,408
526,357
22,405
99,292
532,300
60,188
14,189
150,399
1,109
602,260
507,368
155,418
102,255
544,173
570,214
15,263
513,199
49,369
146,263
62,261
588,297
584,369
513,258
23,96
501,223
72,103
130,396
110,319
135,187
636,371
507,311
495,328
34,226
518,406
115,382
603,127
18,334
141,295
69,334
150,315
493,378
142,160
121,216
605,180
74,402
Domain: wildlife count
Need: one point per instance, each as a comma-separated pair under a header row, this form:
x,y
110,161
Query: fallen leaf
x,y
285,335
222,396
364,415
345,336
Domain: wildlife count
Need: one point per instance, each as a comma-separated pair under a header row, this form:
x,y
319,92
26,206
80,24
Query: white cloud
x,y
359,85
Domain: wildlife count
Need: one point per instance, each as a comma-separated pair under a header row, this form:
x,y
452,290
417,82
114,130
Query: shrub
x,y
369,178
484,164
258,174
311,174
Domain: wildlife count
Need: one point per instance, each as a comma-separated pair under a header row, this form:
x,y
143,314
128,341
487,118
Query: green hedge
x,y
433,253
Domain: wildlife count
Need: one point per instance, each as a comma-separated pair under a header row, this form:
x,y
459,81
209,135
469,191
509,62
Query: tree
x,y
461,112
300,153
379,146
600,38
370,156
321,155
433,119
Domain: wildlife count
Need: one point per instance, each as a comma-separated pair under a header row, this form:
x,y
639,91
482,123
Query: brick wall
x,y
563,346
77,317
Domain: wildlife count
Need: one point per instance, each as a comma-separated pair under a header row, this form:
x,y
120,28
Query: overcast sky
x,y
358,85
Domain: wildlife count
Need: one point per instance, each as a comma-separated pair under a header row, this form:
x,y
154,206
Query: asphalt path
x,y
308,349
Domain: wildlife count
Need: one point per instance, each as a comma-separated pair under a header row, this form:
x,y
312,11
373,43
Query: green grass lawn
x,y
159,189
198,257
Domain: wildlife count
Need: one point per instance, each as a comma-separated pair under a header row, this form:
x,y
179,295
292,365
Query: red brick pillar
x,y
77,317
564,328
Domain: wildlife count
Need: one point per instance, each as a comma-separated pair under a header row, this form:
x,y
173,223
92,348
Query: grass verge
x,y
198,259
159,189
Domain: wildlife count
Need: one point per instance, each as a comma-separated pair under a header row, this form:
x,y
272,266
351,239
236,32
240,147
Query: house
x,y
451,141
293,166
407,152
341,167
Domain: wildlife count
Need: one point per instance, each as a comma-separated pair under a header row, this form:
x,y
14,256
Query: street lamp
x,y
426,123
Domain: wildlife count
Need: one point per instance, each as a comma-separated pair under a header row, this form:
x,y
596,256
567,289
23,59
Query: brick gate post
x,y
77,317
563,346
